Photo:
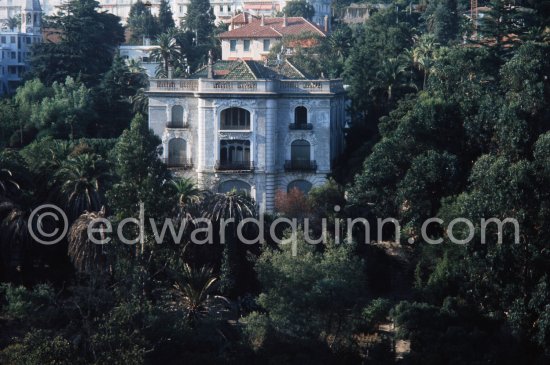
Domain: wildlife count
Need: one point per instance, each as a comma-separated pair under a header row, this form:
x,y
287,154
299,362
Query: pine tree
x,y
445,21
141,23
113,104
442,20
142,176
165,18
502,25
89,39
200,20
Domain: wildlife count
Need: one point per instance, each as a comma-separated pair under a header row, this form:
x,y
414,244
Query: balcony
x,y
300,165
172,125
300,126
180,163
234,165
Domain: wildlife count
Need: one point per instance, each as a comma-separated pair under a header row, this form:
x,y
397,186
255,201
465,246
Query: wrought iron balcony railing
x,y
182,163
234,165
300,126
300,165
177,125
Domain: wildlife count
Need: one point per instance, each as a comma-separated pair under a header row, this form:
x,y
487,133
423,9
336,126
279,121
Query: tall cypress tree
x,y
200,20
442,20
141,23
165,18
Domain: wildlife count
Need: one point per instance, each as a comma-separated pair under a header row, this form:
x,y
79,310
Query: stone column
x,y
201,138
270,153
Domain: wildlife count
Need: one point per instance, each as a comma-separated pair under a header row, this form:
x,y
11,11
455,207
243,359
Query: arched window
x,y
300,116
235,118
177,152
300,150
230,185
235,155
300,156
303,185
177,116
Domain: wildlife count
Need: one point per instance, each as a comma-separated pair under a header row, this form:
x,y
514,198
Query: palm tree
x,y
140,102
168,52
85,255
80,181
221,208
195,288
233,204
12,23
187,192
15,240
134,66
339,42
425,54
7,182
391,78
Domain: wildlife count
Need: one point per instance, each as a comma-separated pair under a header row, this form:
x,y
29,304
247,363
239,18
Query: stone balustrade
x,y
245,86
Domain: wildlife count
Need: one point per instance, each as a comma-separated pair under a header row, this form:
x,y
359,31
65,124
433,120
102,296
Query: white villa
x,y
251,38
249,125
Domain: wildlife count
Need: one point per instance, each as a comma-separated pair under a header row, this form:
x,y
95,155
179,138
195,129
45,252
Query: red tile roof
x,y
273,28
242,18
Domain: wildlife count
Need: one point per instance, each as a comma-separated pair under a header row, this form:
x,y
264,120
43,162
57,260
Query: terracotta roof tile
x,y
242,18
273,28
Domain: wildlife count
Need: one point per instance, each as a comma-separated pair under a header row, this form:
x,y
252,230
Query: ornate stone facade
x,y
250,140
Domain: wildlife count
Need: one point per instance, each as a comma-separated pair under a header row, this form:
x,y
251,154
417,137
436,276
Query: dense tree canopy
x,y
448,121
299,8
142,24
89,39
199,20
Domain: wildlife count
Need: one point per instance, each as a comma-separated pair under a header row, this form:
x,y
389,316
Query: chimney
x,y
284,21
170,71
263,22
232,25
326,24
245,17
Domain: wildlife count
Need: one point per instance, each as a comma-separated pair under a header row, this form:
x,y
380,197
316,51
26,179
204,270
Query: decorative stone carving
x,y
301,134
249,104
176,133
234,135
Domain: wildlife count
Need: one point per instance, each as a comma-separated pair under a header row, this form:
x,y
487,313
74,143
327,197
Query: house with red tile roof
x,y
251,38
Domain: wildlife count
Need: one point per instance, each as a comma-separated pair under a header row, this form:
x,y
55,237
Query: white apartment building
x,y
15,46
141,54
223,9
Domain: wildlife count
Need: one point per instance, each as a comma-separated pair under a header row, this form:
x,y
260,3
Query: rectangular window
x,y
246,45
267,43
233,45
12,39
13,55
29,39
